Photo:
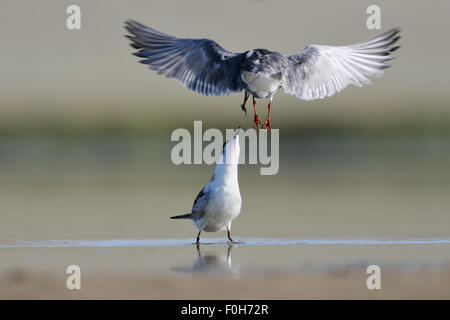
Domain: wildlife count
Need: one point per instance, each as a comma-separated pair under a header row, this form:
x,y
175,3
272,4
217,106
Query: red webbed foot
x,y
256,122
267,124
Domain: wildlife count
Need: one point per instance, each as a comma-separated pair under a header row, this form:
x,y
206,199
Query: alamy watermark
x,y
74,280
374,280
254,147
73,21
374,19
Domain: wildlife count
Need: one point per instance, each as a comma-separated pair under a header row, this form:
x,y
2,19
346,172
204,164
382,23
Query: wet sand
x,y
257,269
423,285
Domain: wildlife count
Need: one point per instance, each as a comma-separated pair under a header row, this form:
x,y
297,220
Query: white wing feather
x,y
321,71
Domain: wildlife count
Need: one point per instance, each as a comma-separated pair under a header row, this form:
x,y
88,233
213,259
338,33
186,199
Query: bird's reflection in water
x,y
217,263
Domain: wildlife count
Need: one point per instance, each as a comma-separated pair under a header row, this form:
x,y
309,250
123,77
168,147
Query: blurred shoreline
x,y
304,118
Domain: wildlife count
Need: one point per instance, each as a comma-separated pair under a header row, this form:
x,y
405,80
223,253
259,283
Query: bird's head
x,y
231,149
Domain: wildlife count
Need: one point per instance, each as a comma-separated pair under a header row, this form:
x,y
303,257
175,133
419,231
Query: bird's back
x,y
263,60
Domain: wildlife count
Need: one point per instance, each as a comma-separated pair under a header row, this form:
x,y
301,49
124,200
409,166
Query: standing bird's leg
x,y
229,235
246,95
198,238
267,122
256,121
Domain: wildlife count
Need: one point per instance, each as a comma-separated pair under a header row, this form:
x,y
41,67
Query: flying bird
x,y
219,202
318,71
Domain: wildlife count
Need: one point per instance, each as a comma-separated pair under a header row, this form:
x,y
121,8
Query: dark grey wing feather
x,y
199,64
321,71
200,202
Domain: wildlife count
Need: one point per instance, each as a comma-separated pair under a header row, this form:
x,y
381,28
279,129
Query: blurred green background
x,y
85,129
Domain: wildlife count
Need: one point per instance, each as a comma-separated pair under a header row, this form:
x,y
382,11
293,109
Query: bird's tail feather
x,y
182,216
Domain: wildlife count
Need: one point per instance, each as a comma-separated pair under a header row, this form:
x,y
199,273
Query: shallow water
x,y
158,257
208,241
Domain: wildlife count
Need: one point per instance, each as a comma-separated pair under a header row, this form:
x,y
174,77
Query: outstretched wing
x,y
321,71
199,64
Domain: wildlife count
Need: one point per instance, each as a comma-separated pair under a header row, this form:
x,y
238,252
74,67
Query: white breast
x,y
224,206
261,85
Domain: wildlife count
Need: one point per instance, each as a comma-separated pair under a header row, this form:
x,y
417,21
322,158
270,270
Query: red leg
x,y
256,121
267,122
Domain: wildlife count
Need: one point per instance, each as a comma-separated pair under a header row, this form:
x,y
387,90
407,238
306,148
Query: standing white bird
x,y
316,72
219,202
